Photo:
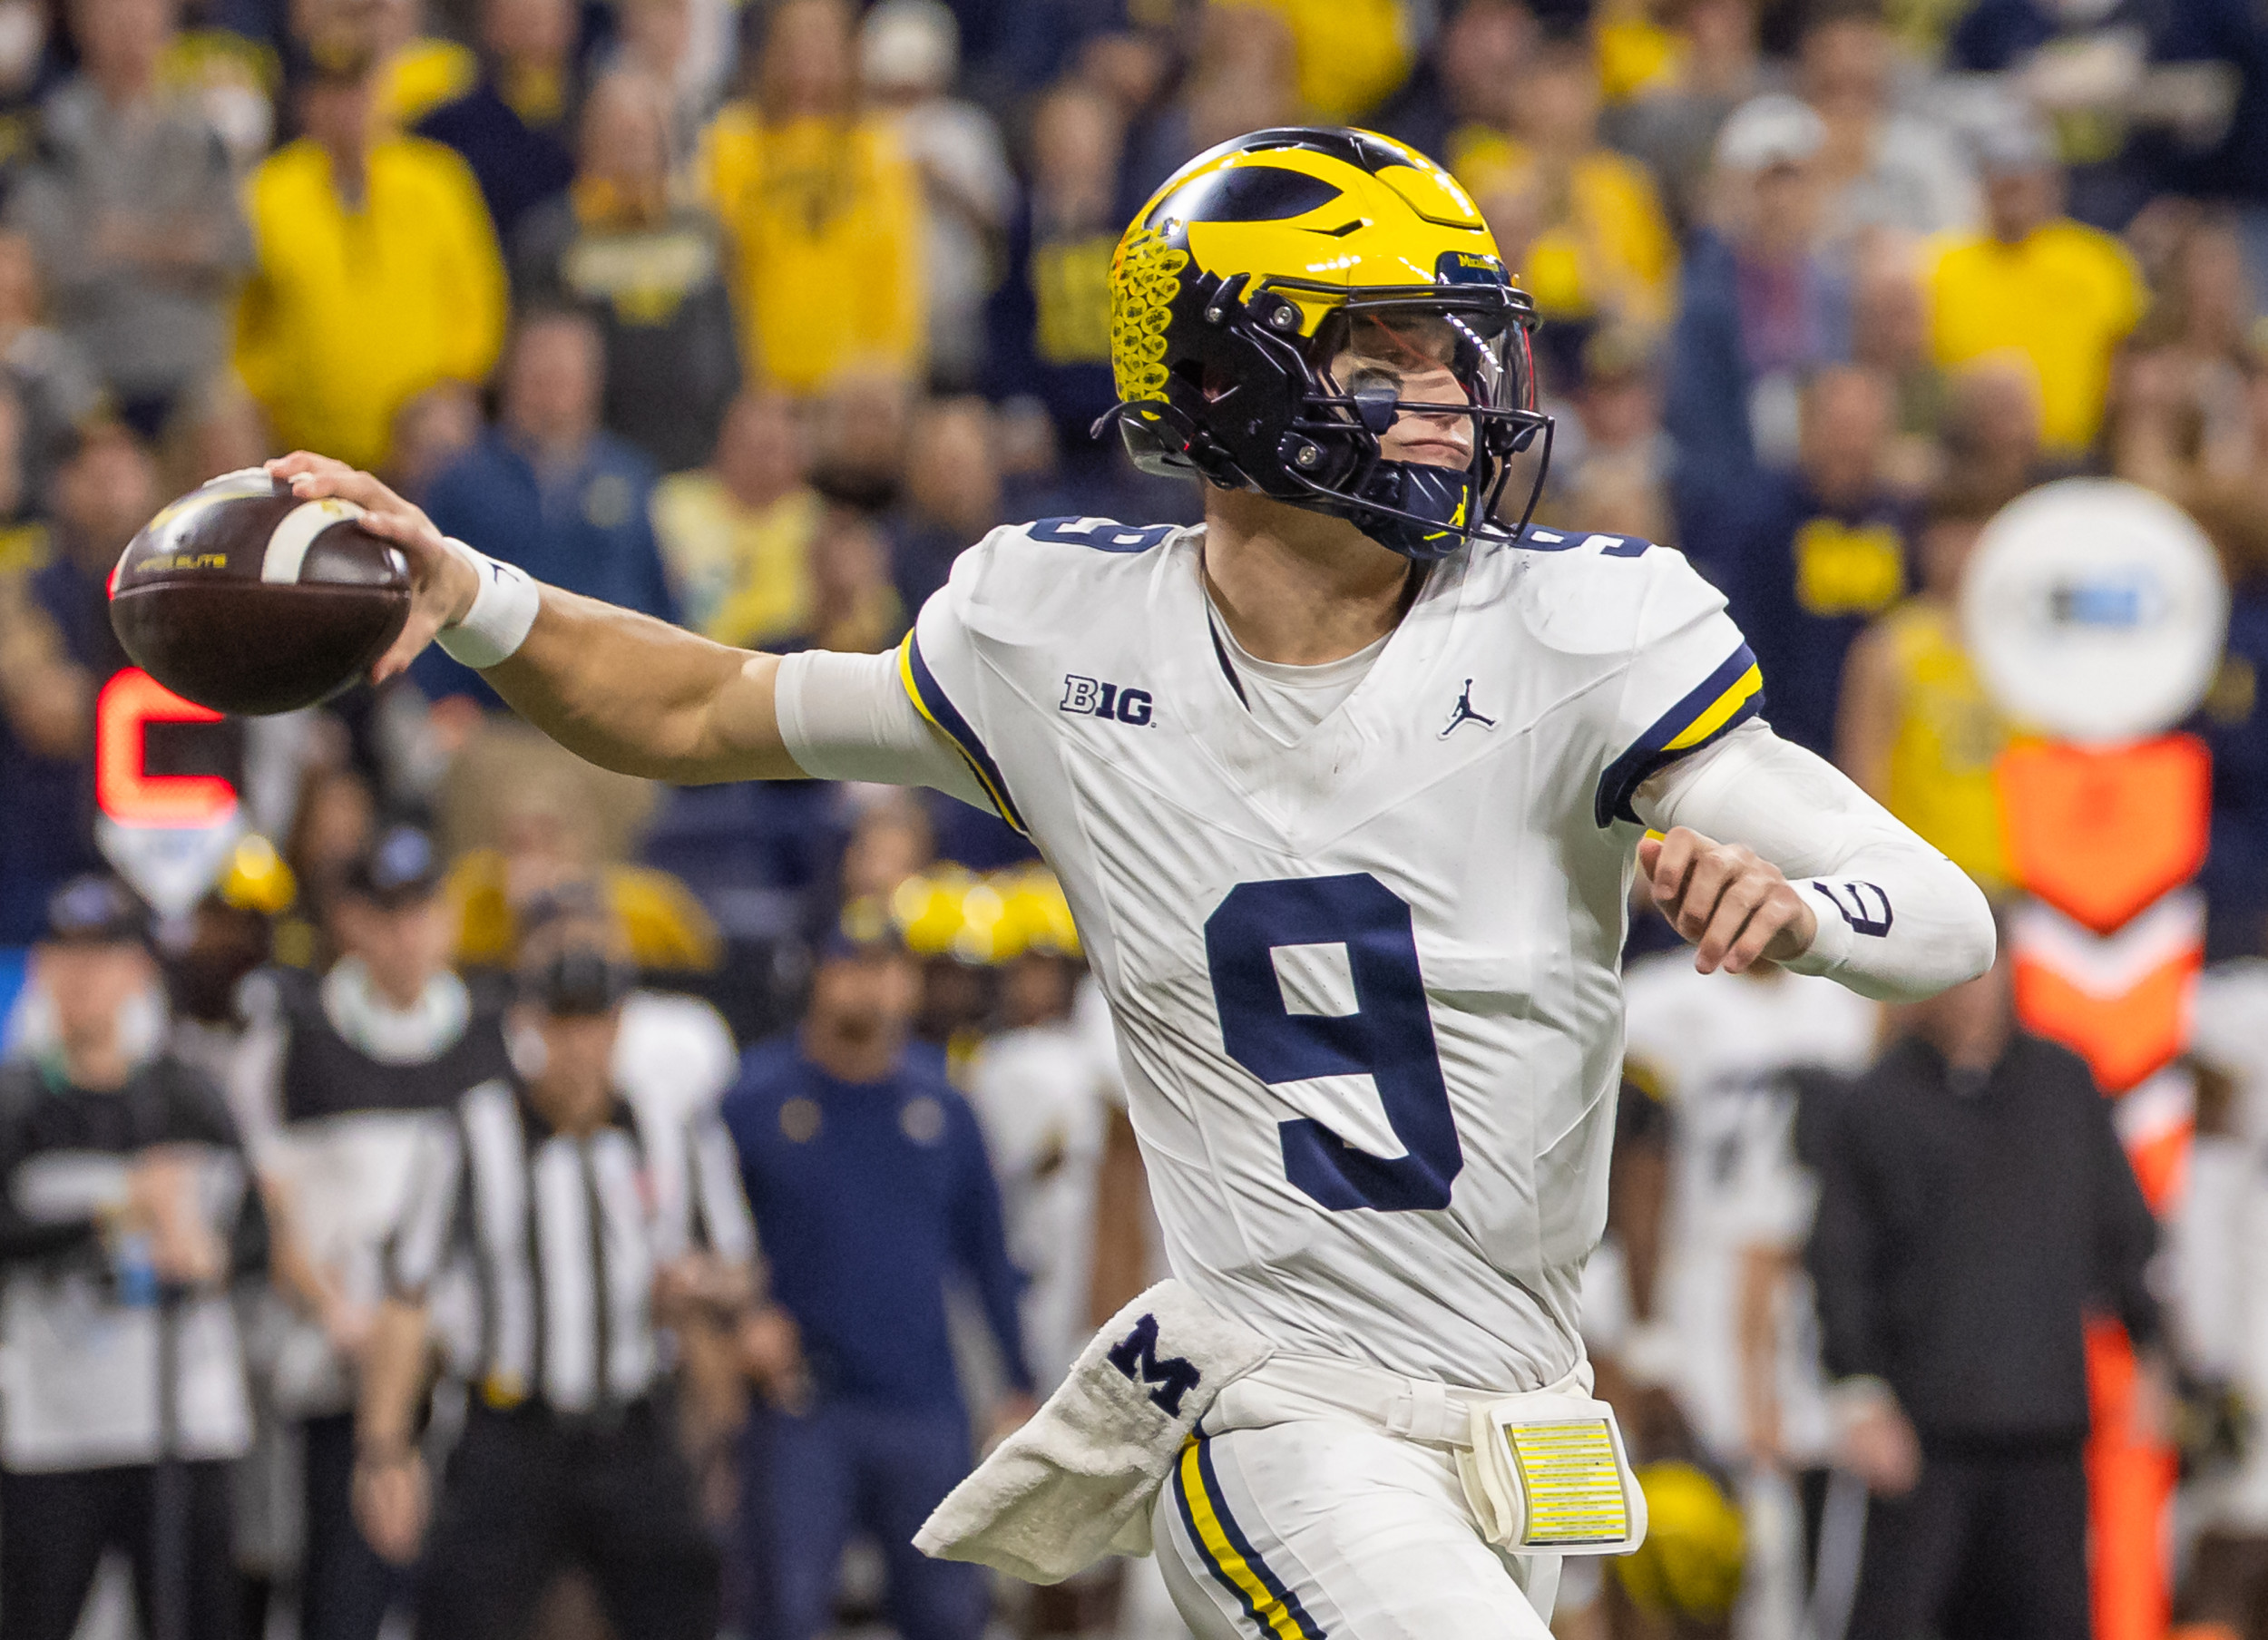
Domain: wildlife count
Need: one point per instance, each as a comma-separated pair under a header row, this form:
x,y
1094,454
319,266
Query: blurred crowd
x,y
752,314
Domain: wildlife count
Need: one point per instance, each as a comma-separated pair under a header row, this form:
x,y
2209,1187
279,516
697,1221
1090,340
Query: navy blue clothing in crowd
x,y
588,529
1804,580
869,1200
50,835
2235,724
518,165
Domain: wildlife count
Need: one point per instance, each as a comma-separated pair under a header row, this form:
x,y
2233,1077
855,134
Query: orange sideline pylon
x,y
2099,833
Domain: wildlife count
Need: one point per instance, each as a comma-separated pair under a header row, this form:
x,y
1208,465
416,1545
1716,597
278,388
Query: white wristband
x,y
503,610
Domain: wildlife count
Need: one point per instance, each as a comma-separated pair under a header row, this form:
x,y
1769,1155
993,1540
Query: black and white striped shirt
x,y
563,1236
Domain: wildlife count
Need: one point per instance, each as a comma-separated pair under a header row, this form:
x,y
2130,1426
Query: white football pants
x,y
1323,1529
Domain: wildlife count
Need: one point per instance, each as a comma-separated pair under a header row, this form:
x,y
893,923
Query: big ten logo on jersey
x,y
1092,698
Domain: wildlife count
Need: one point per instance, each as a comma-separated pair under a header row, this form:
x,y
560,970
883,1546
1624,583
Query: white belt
x,y
1425,1409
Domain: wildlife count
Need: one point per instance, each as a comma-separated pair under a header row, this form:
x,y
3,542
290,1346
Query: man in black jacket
x,y
1975,1203
123,1216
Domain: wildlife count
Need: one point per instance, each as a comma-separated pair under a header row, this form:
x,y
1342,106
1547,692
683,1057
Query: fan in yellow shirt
x,y
824,210
1917,729
377,276
2061,293
1352,54
737,534
1583,225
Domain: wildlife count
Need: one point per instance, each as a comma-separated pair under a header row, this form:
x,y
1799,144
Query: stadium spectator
x,y
2063,293
550,826
53,382
2232,162
1991,432
1883,169
2234,720
1759,308
908,55
429,433
854,608
1048,321
649,268
824,210
56,650
125,1215
378,275
1916,728
1582,224
871,1188
2080,67
1816,553
1460,79
1890,334
342,1073
953,496
1671,128
736,535
1351,56
2181,415
1242,74
131,204
859,430
570,1454
1974,1203
1616,424
515,126
550,490
688,48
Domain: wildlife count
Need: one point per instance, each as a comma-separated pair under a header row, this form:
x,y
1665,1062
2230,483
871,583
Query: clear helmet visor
x,y
1415,358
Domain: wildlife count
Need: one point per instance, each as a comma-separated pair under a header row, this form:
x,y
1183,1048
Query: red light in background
x,y
123,789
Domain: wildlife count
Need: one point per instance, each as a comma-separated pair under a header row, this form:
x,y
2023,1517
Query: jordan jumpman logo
x,y
1465,713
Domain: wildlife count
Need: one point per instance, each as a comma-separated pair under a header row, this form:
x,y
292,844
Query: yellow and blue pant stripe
x,y
1267,1601
930,700
1728,697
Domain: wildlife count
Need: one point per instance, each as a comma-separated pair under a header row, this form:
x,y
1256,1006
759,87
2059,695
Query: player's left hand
x,y
1727,900
442,585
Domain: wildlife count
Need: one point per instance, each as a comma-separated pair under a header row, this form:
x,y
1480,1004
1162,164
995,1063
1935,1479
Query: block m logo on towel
x,y
1136,1355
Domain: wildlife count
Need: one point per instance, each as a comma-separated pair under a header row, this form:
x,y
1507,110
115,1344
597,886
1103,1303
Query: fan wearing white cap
x,y
1760,309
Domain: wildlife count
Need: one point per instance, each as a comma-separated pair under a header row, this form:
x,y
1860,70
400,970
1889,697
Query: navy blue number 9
x,y
1390,1035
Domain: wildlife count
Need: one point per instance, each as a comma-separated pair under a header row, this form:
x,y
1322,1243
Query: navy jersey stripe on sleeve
x,y
1728,697
930,700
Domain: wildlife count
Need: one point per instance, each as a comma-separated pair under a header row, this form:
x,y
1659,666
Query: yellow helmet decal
x,y
1294,217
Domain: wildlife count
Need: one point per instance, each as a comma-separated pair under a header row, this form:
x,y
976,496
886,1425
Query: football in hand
x,y
245,598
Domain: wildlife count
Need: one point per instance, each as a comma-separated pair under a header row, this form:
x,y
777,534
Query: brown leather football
x,y
244,598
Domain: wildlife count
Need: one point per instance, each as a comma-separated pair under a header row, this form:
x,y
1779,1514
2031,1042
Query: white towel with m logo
x,y
1076,1482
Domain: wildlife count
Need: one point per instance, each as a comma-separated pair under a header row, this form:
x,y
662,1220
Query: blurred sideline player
x,y
335,1082
1346,788
1734,1342
1038,1098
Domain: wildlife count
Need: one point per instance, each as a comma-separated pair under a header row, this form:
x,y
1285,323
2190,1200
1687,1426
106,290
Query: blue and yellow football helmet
x,y
1246,275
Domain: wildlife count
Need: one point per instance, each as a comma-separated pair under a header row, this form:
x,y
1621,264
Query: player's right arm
x,y
637,695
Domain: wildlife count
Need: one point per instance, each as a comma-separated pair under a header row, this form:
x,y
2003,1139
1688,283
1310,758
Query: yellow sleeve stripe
x,y
1730,695
1273,1608
1749,684
931,702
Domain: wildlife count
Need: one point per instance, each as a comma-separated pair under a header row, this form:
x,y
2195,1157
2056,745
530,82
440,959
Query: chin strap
x,y
1423,513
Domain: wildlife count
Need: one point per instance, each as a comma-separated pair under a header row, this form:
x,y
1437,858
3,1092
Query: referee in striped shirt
x,y
581,1250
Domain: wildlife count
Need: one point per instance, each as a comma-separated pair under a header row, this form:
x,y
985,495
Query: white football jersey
x,y
1717,1046
1365,980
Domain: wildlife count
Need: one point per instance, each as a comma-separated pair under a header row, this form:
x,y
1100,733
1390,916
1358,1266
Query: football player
x,y
1346,787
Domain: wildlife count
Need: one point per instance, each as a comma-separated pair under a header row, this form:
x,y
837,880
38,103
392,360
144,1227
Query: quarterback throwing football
x,y
1346,787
